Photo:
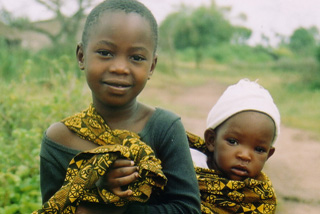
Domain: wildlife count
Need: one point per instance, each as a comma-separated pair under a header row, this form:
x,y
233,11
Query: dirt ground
x,y
293,169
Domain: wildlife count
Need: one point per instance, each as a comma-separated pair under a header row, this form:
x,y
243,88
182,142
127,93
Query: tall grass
x,y
37,89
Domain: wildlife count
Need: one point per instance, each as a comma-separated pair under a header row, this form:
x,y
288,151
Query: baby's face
x,y
243,144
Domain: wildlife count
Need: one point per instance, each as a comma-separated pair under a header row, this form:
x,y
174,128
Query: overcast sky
x,y
263,16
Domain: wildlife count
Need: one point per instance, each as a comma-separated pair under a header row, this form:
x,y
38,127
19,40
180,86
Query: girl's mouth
x,y
117,87
117,83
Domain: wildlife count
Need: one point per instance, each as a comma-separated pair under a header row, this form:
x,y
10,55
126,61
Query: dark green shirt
x,y
165,134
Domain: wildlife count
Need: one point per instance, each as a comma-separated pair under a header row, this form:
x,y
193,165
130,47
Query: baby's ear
x,y
271,152
210,138
80,56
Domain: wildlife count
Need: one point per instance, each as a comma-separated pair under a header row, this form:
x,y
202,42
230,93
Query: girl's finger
x,y
124,180
122,163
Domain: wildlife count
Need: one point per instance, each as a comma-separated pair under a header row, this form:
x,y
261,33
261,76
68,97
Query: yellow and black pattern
x,y
223,196
86,168
196,142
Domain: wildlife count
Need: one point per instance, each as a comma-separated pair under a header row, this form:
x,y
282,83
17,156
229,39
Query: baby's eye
x,y
138,58
104,53
232,141
260,149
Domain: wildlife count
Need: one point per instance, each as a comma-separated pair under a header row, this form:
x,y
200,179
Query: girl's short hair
x,y
127,6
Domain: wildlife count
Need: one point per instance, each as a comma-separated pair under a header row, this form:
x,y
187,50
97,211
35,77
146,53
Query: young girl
x,y
118,56
241,130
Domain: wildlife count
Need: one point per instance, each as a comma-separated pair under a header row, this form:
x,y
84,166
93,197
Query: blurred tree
x,y
241,35
196,28
283,40
68,25
318,54
315,33
265,40
302,41
167,36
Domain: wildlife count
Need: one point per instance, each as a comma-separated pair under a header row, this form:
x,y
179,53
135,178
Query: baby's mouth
x,y
240,170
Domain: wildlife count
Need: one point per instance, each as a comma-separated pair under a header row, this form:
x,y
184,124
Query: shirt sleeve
x,y
54,160
181,194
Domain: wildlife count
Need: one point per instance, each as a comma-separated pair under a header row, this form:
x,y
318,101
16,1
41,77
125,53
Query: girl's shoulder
x,y
164,116
158,113
60,134
160,122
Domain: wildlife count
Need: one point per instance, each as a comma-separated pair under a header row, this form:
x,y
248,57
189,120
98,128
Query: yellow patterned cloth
x,y
86,168
223,196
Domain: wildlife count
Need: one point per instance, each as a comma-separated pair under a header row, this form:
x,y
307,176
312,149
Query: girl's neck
x,y
131,117
110,113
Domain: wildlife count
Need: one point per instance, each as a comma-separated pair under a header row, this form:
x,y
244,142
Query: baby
x,y
241,130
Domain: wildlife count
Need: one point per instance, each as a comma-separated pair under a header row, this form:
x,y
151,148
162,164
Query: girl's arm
x,y
181,194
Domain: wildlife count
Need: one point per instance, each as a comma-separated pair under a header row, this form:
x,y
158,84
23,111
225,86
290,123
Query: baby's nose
x,y
244,155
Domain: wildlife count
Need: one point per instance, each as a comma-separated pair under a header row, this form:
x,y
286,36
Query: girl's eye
x,y
232,141
104,53
260,149
138,58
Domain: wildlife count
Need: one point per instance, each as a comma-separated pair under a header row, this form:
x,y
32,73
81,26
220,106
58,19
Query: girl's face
x,y
119,58
241,145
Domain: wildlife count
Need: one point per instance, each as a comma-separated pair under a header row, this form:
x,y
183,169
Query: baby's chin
x,y
237,174
236,178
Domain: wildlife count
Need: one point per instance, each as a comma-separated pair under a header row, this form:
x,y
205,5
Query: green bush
x,y
20,145
26,110
226,53
40,89
12,59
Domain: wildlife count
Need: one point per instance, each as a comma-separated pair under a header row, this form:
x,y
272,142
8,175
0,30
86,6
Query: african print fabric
x,y
87,167
223,196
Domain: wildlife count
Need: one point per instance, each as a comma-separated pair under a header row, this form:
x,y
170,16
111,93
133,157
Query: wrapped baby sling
x,y
87,167
223,196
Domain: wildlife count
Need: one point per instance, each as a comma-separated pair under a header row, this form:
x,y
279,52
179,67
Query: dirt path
x,y
293,169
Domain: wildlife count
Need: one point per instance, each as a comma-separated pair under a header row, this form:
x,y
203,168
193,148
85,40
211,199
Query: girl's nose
x,y
119,66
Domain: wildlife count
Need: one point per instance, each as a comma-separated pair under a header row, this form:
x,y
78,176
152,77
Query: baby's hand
x,y
122,173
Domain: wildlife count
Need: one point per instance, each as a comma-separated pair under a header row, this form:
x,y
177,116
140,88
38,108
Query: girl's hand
x,y
122,173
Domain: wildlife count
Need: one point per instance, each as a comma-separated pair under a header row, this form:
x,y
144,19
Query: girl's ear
x,y
210,138
80,56
153,66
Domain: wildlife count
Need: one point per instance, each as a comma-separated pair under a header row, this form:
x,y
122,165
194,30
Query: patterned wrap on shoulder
x,y
87,167
220,195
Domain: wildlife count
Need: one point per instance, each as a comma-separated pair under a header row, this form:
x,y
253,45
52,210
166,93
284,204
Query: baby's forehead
x,y
244,117
254,120
249,113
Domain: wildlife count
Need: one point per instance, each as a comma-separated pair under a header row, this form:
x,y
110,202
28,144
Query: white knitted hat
x,y
245,95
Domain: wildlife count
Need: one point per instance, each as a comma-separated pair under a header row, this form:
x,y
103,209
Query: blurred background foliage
x,y
40,82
